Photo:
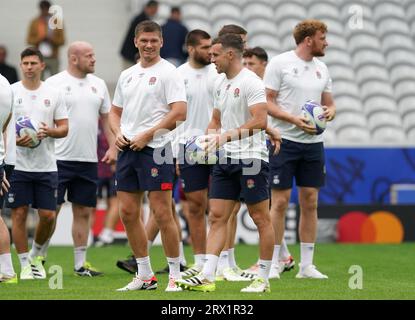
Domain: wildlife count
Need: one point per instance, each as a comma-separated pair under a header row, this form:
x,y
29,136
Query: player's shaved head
x,y
81,58
78,47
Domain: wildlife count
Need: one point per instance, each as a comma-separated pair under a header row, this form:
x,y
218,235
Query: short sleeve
x,y
272,77
106,103
255,92
174,87
61,111
118,100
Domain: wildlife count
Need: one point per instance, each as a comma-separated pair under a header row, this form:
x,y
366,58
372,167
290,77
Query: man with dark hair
x,y
128,50
149,100
35,179
292,78
47,40
256,59
234,29
240,113
6,70
199,76
174,33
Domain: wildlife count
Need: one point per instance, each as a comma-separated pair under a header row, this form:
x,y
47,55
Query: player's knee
x,y
260,219
217,217
19,217
195,208
128,213
279,206
47,216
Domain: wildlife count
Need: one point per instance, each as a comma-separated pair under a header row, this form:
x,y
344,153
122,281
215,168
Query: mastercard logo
x,y
377,227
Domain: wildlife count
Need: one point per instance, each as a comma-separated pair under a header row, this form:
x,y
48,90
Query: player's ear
x,y
42,65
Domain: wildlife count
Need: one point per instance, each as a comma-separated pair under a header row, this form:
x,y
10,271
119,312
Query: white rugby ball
x,y
314,113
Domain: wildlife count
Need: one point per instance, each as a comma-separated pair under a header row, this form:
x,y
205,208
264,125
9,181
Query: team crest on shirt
x,y
152,81
318,74
94,90
154,172
46,102
250,183
236,93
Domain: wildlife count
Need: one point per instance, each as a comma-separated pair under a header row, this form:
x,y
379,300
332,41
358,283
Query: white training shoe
x,y
257,286
236,274
38,270
172,286
310,272
26,273
287,264
138,284
275,271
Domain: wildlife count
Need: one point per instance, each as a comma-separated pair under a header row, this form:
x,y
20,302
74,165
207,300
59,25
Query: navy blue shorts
x,y
193,176
109,185
80,180
138,171
8,170
304,161
39,189
230,182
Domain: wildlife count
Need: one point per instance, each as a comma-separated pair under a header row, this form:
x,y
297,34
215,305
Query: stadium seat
x,y
393,25
404,88
265,41
384,119
353,135
348,11
402,72
336,42
257,10
406,105
379,103
367,56
349,119
395,41
219,23
384,9
347,104
371,72
258,26
346,88
363,40
411,136
198,24
409,121
337,56
290,10
286,27
388,135
225,10
341,72
399,57
323,9
375,88
329,136
194,10
288,43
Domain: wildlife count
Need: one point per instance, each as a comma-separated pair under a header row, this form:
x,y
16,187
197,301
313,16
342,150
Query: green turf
x,y
388,273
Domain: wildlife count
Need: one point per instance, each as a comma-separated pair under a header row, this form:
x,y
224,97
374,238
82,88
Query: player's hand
x,y
329,113
121,142
5,185
140,141
110,156
213,143
275,139
24,141
42,133
304,125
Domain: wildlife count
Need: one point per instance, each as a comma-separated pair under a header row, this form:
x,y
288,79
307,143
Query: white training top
x,y
6,98
86,99
144,94
233,97
296,81
44,104
199,85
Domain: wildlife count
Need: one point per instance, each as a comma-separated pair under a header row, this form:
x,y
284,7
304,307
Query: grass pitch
x,y
387,274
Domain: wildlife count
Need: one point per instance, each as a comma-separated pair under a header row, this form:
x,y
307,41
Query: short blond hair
x,y
308,28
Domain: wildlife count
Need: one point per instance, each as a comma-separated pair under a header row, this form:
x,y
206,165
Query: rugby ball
x,y
314,113
196,153
28,127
